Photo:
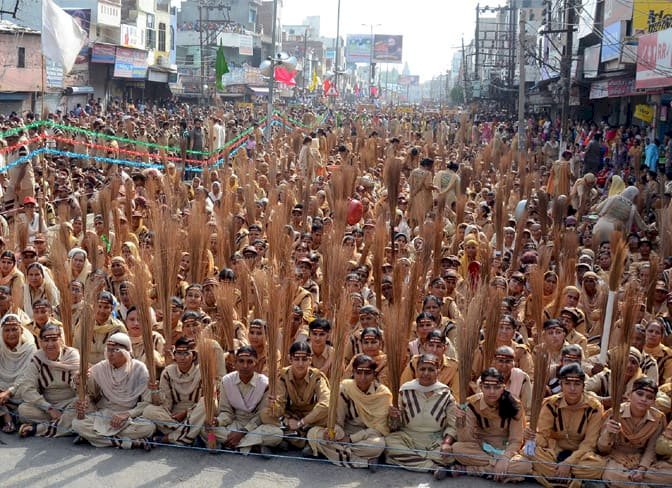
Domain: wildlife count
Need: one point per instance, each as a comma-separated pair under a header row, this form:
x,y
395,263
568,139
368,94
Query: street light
x,y
372,65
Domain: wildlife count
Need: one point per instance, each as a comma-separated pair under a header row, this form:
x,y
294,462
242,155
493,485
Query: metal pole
x,y
476,43
271,79
372,74
200,35
521,84
464,73
567,67
337,60
305,56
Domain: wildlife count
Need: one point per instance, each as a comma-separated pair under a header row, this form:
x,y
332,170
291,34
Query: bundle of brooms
x,y
85,337
467,339
207,364
60,256
139,292
619,355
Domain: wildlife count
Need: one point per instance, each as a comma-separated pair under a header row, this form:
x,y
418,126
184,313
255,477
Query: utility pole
x,y
567,66
521,84
202,61
271,79
305,57
337,59
464,72
478,9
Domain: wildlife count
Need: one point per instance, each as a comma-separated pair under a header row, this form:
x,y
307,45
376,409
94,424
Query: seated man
x,y
491,433
436,344
243,396
361,419
630,445
104,326
46,387
117,389
567,431
302,399
177,408
424,422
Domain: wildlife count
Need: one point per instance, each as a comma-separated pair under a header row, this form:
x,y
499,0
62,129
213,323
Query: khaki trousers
x,y
355,455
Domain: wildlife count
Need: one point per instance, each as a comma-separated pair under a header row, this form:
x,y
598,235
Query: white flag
x,y
62,37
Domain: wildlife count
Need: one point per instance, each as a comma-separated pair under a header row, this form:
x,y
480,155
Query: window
x,y
189,59
172,38
21,58
252,18
150,37
162,36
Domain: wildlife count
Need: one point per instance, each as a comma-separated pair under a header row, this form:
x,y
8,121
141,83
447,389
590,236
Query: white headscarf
x,y
14,362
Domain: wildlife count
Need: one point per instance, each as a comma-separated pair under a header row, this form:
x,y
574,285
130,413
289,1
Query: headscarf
x,y
14,362
373,408
86,270
617,186
630,193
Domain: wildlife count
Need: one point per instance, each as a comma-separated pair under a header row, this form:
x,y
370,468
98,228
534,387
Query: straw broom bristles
x,y
459,218
467,339
289,289
339,337
139,293
499,218
224,328
542,198
275,294
207,363
392,178
518,243
379,239
618,252
437,241
85,330
619,355
540,380
492,327
63,284
537,296
198,244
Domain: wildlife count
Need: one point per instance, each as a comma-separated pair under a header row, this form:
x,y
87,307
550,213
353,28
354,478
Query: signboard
x,y
413,80
651,16
587,18
131,36
245,45
591,61
615,10
130,63
358,48
387,48
108,14
103,54
654,60
644,113
599,89
53,73
611,43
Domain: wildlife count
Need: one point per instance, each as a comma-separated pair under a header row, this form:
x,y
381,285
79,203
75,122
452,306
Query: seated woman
x,y
135,333
257,334
630,444
516,380
505,337
661,471
17,347
117,392
361,419
492,434
177,409
661,353
436,345
423,425
46,387
302,398
372,345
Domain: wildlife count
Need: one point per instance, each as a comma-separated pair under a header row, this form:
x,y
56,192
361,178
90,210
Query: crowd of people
x,y
316,294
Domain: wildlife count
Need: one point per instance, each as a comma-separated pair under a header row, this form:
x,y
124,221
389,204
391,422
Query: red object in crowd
x,y
284,76
355,211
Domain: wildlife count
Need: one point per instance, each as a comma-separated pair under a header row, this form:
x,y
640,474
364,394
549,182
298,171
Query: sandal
x,y
9,427
27,430
142,444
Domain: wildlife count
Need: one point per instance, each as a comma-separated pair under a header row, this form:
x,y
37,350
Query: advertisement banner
x,y
130,63
245,45
651,16
108,14
131,36
358,48
387,48
644,112
412,80
103,54
611,44
591,61
587,18
615,10
654,60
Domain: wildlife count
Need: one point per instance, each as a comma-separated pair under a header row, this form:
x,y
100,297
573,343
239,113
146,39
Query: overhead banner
x,y
611,44
358,48
654,60
245,45
103,54
644,113
130,63
651,16
387,48
409,80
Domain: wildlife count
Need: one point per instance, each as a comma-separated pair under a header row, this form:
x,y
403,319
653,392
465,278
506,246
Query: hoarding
x,y
651,16
591,61
103,54
654,60
615,10
358,48
130,63
611,43
387,48
412,80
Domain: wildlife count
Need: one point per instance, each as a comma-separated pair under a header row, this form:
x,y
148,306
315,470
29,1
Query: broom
x,y
499,218
139,293
198,243
207,363
339,336
379,239
459,218
537,297
85,330
540,380
619,355
618,263
492,328
467,340
392,177
224,328
63,284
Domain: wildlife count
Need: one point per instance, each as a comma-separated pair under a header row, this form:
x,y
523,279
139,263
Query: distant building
x,y
21,69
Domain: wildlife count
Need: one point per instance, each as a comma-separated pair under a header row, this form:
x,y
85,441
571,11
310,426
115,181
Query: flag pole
x,y
44,76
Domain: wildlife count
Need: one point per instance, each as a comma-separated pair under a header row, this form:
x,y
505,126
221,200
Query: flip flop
x,y
27,430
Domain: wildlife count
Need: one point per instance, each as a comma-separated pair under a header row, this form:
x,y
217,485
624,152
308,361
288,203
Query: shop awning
x,y
12,97
258,90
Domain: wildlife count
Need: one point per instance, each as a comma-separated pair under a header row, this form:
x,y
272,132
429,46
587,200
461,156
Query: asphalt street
x,y
39,462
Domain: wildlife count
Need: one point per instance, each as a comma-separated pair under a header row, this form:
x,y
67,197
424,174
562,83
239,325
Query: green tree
x,y
457,95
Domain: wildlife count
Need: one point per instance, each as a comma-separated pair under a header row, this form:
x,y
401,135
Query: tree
x,y
457,95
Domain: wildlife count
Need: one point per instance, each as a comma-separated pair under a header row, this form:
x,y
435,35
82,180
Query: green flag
x,y
221,68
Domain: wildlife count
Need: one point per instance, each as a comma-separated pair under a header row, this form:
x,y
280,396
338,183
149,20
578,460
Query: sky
x,y
432,29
